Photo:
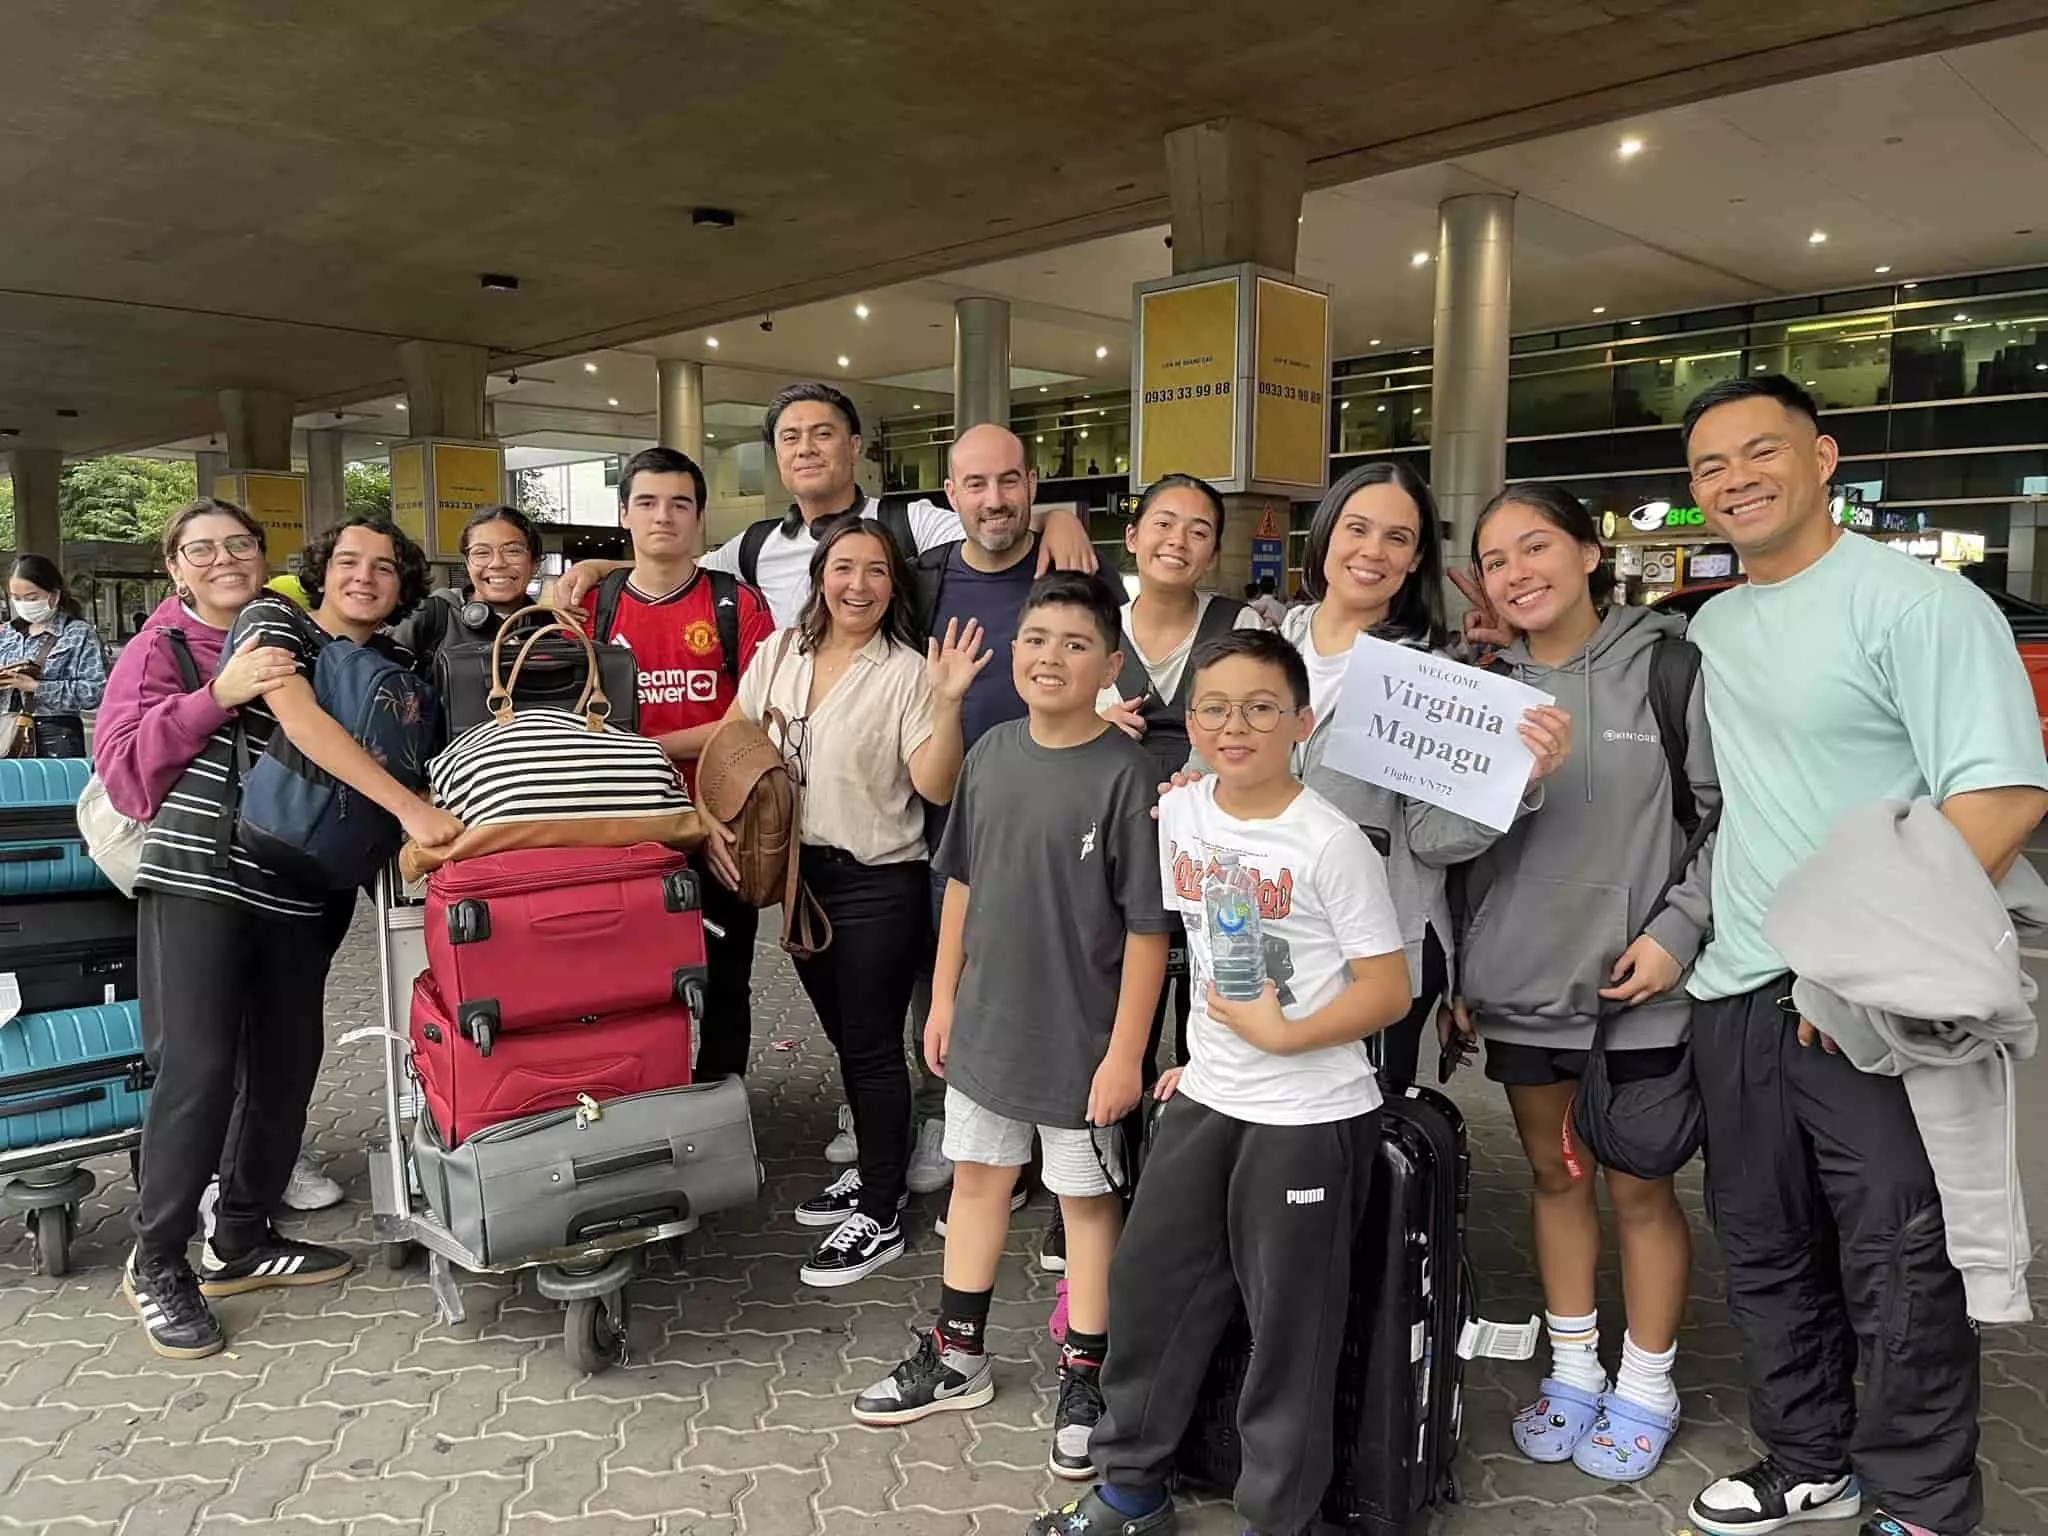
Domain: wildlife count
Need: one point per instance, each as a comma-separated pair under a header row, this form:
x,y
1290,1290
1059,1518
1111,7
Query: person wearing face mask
x,y
1593,905
52,667
500,551
873,716
1374,565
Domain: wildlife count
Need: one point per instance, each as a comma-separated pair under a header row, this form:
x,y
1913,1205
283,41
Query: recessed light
x,y
400,404
2041,367
1810,383
1041,437
916,407
1381,409
1761,368
1298,218
1818,237
1041,389
860,311
590,367
612,401
1630,148
1101,353
1909,285
1880,271
844,361
379,443
1084,431
711,342
1599,309
1345,406
1961,317
1374,342
1419,259
710,437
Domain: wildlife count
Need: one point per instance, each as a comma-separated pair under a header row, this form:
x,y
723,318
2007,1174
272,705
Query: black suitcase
x,y
1401,1381
69,951
552,678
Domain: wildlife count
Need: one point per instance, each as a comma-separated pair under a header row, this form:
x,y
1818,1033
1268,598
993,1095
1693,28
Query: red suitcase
x,y
533,1070
543,936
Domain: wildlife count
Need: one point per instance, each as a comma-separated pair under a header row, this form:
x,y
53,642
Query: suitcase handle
x,y
43,855
52,1101
626,1216
588,1170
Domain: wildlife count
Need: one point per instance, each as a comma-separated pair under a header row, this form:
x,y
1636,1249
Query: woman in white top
x,y
872,729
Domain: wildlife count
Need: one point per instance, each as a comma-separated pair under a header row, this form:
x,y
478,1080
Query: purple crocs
x,y
1550,1429
1627,1442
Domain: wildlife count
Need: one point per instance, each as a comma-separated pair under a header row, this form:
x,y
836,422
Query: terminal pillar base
x,y
37,473
1469,375
1235,187
258,425
981,363
207,467
444,388
679,405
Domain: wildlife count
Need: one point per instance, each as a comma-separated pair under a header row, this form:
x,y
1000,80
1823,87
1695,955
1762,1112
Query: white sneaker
x,y
310,1189
208,1199
930,1169
845,1147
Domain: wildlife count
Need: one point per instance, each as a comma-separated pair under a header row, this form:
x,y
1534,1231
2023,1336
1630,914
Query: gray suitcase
x,y
566,1178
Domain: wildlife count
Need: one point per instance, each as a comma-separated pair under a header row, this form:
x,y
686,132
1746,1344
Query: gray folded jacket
x,y
1909,959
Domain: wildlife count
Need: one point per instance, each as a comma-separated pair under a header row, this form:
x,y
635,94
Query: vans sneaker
x,y
935,1379
1017,1198
1767,1497
165,1295
839,1201
276,1261
844,1147
1073,1423
930,1169
858,1247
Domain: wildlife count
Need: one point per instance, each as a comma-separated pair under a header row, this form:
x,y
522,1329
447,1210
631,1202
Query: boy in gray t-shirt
x,y
1052,949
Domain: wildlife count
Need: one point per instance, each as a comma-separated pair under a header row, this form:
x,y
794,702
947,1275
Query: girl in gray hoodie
x,y
1565,925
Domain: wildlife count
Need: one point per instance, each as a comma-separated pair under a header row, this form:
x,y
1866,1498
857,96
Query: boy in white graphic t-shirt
x,y
1263,1158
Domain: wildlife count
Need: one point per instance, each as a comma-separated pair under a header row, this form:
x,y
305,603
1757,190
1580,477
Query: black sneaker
x,y
839,1201
276,1261
1091,1516
858,1247
1073,1423
1052,1251
1767,1497
1018,1197
936,1379
166,1297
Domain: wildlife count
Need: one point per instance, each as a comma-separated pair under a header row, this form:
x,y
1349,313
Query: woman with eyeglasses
x,y
500,553
51,662
873,731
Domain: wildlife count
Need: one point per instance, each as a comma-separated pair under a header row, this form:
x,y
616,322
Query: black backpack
x,y
892,512
1166,722
725,612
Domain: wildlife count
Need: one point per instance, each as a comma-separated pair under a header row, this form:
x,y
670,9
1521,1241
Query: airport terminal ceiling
x,y
217,193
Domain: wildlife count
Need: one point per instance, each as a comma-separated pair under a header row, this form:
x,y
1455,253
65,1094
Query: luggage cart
x,y
47,1184
589,1280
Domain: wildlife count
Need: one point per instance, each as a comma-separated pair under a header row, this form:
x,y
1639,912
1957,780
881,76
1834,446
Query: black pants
x,y
1831,1231
231,1025
1227,1208
1400,1049
860,985
725,1035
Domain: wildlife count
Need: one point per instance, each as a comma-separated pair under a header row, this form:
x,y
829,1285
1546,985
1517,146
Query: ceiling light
x,y
612,401
916,407
860,311
1381,409
1101,353
710,437
1345,406
844,361
1810,383
1909,285
1374,342
1599,309
399,403
1041,389
1041,437
1818,237
590,367
1630,148
1419,259
1961,317
1298,218
711,342
1880,271
1084,431
2041,367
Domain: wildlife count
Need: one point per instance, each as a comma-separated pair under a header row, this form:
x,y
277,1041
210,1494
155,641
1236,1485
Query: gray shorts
x,y
1077,1163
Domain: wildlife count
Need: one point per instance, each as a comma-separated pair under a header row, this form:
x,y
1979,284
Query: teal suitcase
x,y
70,1073
41,853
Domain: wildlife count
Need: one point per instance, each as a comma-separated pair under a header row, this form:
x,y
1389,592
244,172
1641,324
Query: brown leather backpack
x,y
744,781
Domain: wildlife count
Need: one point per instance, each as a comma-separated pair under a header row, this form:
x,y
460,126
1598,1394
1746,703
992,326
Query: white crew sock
x,y
1645,1377
1575,1351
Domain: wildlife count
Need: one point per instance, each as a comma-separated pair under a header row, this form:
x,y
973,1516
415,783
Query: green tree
x,y
367,489
534,497
6,512
122,500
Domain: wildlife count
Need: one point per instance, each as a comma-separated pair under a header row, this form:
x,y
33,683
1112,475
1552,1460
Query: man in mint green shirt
x,y
1845,672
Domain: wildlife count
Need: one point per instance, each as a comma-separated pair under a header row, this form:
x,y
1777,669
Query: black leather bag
x,y
551,678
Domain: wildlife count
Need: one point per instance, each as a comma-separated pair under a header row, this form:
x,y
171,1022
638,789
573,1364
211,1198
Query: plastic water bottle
x,y
1230,914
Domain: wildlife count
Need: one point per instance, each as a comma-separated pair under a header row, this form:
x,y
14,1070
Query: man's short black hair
x,y
823,394
661,461
1761,386
413,582
1255,645
1076,589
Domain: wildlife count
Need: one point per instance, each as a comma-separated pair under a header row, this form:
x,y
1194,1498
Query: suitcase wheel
x,y
680,892
689,991
401,1256
477,1023
594,1331
50,1231
469,922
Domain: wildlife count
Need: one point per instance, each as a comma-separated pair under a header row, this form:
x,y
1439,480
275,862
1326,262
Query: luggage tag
x,y
1483,1339
10,997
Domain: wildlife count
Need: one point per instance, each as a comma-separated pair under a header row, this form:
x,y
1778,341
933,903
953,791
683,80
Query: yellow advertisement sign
x,y
277,501
1187,374
409,489
466,478
1291,378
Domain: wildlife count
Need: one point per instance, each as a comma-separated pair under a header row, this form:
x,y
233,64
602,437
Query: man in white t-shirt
x,y
1268,1143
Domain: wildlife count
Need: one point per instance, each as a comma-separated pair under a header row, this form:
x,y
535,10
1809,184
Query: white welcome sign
x,y
1434,729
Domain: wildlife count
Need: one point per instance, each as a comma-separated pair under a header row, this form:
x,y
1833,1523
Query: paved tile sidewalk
x,y
350,1409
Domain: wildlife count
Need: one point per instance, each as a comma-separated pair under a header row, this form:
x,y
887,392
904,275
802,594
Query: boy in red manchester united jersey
x,y
668,613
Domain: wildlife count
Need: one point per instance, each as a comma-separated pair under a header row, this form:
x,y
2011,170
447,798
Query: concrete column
x,y
326,488
1235,188
37,472
1469,378
679,405
258,427
444,388
207,466
981,363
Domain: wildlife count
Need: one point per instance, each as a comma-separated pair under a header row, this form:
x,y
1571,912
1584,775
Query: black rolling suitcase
x,y
1400,1386
69,951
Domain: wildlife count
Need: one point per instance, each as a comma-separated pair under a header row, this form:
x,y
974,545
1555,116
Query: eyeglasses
x,y
487,554
1262,715
796,748
237,546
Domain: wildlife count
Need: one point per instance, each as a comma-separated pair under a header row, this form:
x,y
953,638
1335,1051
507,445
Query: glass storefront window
x,y
1843,363
1654,390
1964,348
